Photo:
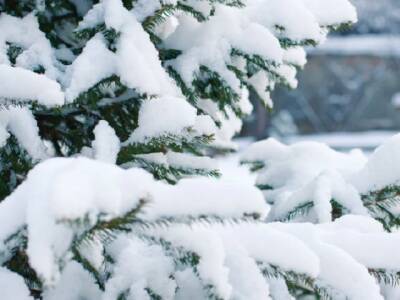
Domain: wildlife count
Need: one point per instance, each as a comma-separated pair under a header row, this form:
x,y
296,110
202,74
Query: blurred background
x,y
349,91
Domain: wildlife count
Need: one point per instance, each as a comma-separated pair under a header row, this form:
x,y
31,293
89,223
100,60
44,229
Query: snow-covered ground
x,y
366,141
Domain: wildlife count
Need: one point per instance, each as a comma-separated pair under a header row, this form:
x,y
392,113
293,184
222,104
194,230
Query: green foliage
x,y
170,173
15,163
381,203
386,277
299,285
299,211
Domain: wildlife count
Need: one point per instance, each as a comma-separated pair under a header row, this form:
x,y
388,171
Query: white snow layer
x,y
312,172
13,286
22,124
106,144
62,190
165,115
23,85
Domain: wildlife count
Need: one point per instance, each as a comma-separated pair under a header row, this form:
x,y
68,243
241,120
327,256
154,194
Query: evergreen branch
x,y
210,85
160,16
183,258
255,166
288,43
7,103
391,278
15,258
88,267
233,3
142,226
191,11
171,173
265,187
107,230
295,282
300,210
380,204
188,92
185,142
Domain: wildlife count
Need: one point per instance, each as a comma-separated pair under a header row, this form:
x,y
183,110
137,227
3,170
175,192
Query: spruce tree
x,y
93,92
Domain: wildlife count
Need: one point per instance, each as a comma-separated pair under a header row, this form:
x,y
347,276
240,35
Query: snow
x,y
74,188
295,56
208,197
382,168
220,221
22,124
62,190
210,43
334,253
136,52
342,260
145,8
93,17
297,23
332,12
74,283
94,64
135,61
37,87
106,144
13,286
258,246
140,266
307,172
312,173
367,140
260,83
164,115
185,160
37,51
211,266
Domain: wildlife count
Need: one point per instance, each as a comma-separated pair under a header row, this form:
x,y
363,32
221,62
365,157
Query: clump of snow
x,y
136,52
95,63
106,144
297,23
135,61
74,283
22,124
332,12
13,286
382,169
36,48
36,87
312,173
164,115
295,56
140,266
207,197
306,172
